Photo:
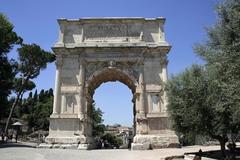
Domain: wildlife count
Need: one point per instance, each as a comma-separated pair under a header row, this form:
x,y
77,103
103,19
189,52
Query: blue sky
x,y
35,22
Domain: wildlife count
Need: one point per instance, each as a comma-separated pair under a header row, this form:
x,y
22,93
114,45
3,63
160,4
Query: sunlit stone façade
x,y
91,51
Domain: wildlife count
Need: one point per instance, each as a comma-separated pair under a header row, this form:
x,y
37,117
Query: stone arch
x,y
90,52
109,75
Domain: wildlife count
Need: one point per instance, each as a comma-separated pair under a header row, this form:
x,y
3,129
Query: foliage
x,y
32,59
205,100
7,75
40,112
187,93
36,109
18,82
17,75
222,55
98,127
8,38
112,139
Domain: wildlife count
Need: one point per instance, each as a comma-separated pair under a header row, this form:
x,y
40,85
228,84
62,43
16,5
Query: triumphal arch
x,y
91,51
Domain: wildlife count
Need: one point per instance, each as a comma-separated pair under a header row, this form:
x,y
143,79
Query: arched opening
x,y
115,100
110,75
113,76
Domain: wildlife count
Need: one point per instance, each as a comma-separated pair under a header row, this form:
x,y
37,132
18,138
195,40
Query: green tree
x,y
205,100
35,96
192,96
187,93
7,75
41,110
32,59
8,38
112,139
222,55
20,106
98,127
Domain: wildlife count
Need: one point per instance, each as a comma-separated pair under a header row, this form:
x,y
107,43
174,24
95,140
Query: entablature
x,y
111,32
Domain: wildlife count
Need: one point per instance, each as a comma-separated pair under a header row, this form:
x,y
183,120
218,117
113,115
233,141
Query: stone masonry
x,y
91,51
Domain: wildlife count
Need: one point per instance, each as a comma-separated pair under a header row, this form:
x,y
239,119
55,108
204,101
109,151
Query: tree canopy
x,y
222,55
206,99
32,59
8,38
98,127
40,110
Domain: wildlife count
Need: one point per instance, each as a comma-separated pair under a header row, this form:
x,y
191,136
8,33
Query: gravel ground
x,y
26,151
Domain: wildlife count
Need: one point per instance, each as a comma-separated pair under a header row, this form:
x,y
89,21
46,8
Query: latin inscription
x,y
110,31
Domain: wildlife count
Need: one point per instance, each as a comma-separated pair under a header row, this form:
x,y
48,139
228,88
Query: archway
x,y
93,51
115,100
111,75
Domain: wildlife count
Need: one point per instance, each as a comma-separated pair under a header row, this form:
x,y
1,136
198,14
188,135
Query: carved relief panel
x,y
155,102
69,103
70,70
131,68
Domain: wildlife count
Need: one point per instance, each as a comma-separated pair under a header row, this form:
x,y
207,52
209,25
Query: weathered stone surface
x,y
191,157
140,146
44,145
68,146
83,146
63,140
110,30
56,145
157,141
90,52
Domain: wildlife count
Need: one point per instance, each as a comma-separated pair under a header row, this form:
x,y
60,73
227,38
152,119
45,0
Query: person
x,y
102,143
105,144
43,138
16,137
2,135
129,142
5,137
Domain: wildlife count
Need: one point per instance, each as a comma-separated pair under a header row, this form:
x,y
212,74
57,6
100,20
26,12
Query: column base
x,y
78,142
67,131
66,140
54,115
65,146
145,142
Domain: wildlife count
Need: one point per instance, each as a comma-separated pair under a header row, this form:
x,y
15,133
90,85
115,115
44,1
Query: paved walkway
x,y
24,152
